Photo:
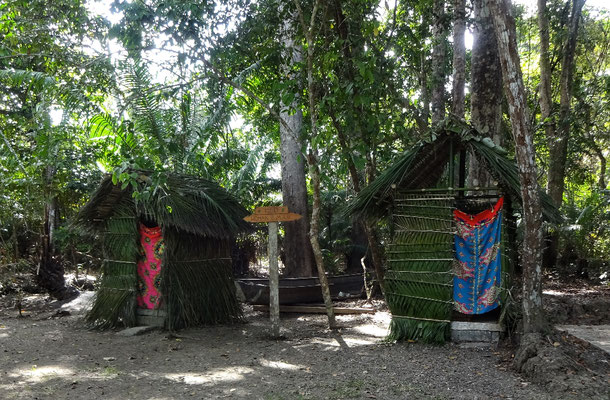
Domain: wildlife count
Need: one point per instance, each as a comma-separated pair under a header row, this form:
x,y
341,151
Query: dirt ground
x,y
49,355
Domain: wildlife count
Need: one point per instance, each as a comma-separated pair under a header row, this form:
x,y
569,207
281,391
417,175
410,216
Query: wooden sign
x,y
272,214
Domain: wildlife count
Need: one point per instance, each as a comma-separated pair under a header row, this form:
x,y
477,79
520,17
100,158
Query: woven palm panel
x,y
197,281
419,280
115,301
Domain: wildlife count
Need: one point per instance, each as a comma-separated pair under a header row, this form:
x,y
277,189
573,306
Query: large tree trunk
x,y
459,59
439,56
486,78
558,144
299,256
504,26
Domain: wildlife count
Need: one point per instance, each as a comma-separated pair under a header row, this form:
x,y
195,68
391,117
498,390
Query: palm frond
x,y
69,94
115,301
419,279
373,200
103,127
505,171
197,280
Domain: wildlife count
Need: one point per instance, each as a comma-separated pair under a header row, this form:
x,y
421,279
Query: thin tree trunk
x,y
558,145
50,272
601,183
299,254
549,257
423,85
342,29
486,78
314,171
438,61
504,25
459,59
546,103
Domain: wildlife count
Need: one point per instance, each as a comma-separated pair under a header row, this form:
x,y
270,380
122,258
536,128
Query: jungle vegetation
x,y
298,102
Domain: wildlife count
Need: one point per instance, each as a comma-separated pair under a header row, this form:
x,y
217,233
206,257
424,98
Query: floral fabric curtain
x,y
477,267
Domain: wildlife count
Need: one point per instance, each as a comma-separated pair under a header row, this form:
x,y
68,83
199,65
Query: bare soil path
x,y
49,356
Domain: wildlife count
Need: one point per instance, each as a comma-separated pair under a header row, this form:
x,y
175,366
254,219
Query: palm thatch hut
x,y
165,249
423,195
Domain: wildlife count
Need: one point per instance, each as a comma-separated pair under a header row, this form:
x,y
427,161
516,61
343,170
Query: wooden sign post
x,y
273,215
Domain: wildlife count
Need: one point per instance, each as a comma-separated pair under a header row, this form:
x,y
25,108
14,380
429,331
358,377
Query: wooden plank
x,y
272,217
316,309
271,210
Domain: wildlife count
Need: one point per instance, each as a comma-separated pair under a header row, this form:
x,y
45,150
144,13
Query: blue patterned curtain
x,y
477,267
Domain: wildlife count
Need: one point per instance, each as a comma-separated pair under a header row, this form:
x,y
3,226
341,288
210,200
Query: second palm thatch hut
x,y
166,249
451,247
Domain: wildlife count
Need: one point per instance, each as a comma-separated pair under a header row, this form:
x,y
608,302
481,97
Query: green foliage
x,y
419,280
586,236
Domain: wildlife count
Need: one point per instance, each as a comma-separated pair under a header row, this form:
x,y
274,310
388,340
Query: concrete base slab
x,y
475,332
154,318
137,330
597,335
477,345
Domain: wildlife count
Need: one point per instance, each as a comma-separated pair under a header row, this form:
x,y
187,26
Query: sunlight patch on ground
x,y
230,374
344,341
372,330
39,374
281,365
579,292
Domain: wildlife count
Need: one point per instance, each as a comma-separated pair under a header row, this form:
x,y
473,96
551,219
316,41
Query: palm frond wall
x,y
418,283
115,301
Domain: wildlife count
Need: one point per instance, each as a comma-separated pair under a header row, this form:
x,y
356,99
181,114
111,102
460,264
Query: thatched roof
x,y
423,166
182,202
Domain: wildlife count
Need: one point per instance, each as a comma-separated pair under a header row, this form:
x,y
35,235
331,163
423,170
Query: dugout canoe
x,y
302,290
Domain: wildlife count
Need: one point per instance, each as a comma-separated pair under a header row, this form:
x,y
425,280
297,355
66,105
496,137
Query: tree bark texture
x,y
312,161
546,102
504,26
299,255
486,79
459,59
439,55
551,239
50,272
558,145
601,183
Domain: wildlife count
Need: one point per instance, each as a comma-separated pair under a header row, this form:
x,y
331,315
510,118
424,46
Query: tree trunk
x,y
504,26
459,59
546,103
549,257
486,78
50,272
558,144
342,30
312,160
369,229
438,61
299,256
601,182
